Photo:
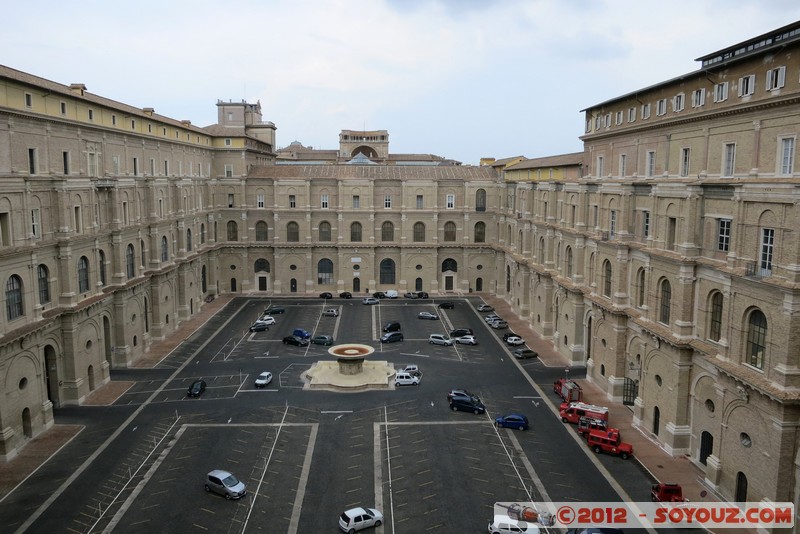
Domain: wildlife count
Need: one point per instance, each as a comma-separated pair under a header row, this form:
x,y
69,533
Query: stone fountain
x,y
351,371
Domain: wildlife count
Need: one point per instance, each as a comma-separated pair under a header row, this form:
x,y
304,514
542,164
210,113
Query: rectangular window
x,y
612,224
230,200
227,142
136,166
672,227
387,201
698,97
724,235
228,170
292,201
618,118
596,212
721,92
113,120
678,101
420,202
91,164
623,165
728,165
324,201
356,201
651,163
631,114
451,201
63,108
600,169
125,214
166,167
646,223
36,223
28,100
787,156
78,220
133,124
115,164
607,120
645,111
767,249
685,153
152,167
91,114
65,161
5,228
661,107
747,85
260,200
32,160
597,122
776,78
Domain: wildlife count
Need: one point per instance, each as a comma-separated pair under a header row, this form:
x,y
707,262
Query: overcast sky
x,y
463,79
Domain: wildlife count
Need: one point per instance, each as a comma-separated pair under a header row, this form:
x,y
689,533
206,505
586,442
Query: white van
x,y
390,293
406,379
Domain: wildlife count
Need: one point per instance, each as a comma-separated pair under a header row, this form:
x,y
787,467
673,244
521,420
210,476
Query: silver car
x,y
226,484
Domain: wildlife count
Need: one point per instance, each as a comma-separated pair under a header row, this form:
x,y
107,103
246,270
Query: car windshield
x,y
230,481
369,512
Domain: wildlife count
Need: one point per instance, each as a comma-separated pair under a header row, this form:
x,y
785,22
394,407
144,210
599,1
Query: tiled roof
x,y
374,172
562,160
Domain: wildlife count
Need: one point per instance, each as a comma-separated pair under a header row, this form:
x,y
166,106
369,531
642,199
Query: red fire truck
x,y
568,390
610,442
587,424
571,412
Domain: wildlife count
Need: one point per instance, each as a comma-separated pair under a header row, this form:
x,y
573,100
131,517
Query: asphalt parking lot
x,y
306,456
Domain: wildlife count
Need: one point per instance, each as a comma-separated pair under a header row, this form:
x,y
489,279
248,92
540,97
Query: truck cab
x,y
663,492
609,442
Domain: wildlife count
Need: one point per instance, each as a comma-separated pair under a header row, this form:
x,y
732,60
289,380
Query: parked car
x,y
453,393
422,295
259,327
412,369
274,310
502,524
406,379
379,295
499,324
491,317
345,295
267,320
326,295
458,332
301,333
508,335
467,404
512,420
427,315
263,379
485,308
391,337
513,341
466,340
197,388
359,519
410,295
392,326
331,312
322,340
369,300
391,293
296,341
440,339
447,305
224,483
524,354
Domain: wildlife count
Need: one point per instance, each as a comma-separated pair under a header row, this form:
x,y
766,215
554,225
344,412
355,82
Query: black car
x,y
458,332
197,388
508,335
345,295
326,295
467,404
295,340
422,295
524,354
447,305
379,295
259,327
391,337
274,310
410,295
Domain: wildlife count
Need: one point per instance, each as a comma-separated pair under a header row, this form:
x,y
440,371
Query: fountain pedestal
x,y
351,371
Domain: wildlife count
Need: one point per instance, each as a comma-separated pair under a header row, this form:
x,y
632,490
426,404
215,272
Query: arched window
x,y
233,231
43,276
355,232
164,249
262,231
387,271
130,259
508,279
292,232
640,288
102,266
83,274
480,232
449,231
387,231
666,301
607,278
261,266
14,297
715,319
325,272
756,339
142,249
569,262
202,234
203,280
591,269
450,265
188,240
324,231
541,250
480,200
419,232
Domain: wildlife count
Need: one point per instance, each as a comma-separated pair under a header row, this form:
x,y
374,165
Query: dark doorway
x,y
479,284
706,446
293,285
418,284
356,285
630,390
741,487
262,283
656,418
233,285
448,283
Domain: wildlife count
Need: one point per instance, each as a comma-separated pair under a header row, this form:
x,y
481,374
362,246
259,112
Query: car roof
x,y
360,510
219,473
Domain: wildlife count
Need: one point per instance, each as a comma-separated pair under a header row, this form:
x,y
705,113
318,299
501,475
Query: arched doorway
x,y
479,284
106,342
418,284
656,419
706,446
589,338
356,285
233,285
293,285
51,374
27,429
90,373
741,487
449,272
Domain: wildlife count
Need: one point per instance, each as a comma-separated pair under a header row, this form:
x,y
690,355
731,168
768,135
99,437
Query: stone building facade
x,y
664,257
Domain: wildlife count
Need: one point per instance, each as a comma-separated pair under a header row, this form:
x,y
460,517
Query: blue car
x,y
513,420
301,333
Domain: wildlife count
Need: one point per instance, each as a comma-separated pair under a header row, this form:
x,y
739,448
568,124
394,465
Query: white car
x,y
485,308
467,340
406,379
491,318
440,339
263,379
427,315
369,300
498,324
502,524
333,312
359,519
266,319
515,341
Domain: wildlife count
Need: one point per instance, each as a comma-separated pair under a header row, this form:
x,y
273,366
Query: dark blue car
x,y
513,420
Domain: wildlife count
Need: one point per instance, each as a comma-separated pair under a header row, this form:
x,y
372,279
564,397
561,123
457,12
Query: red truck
x,y
587,424
571,412
610,442
568,390
662,492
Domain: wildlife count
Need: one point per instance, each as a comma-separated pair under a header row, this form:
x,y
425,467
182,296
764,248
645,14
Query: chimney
x,y
78,88
186,122
148,111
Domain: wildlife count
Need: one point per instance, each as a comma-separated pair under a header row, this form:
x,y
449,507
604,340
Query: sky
x,y
462,79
